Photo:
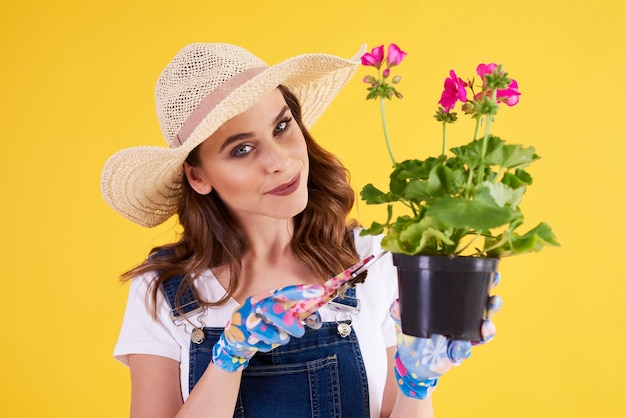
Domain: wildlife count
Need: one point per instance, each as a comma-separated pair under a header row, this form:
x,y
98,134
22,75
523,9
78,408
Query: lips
x,y
286,188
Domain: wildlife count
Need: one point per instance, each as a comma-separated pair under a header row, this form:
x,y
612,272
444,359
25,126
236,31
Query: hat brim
x,y
144,183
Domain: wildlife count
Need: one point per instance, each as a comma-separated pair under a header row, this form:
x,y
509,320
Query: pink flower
x,y
510,95
453,90
374,58
370,80
395,55
484,69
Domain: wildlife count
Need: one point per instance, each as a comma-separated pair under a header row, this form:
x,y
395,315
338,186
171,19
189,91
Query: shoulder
x,y
146,327
144,301
142,284
366,243
382,275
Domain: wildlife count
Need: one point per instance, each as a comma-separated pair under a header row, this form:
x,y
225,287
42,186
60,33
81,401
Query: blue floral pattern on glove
x,y
262,323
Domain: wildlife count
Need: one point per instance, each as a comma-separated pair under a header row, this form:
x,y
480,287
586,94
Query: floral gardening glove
x,y
262,323
420,361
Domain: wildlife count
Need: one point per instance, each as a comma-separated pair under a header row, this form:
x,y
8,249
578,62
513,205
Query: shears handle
x,y
331,288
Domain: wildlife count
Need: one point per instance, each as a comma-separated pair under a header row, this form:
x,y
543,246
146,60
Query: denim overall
x,y
319,375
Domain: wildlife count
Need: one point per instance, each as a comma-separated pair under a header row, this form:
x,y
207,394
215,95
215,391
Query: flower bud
x,y
445,116
396,79
469,107
487,107
369,80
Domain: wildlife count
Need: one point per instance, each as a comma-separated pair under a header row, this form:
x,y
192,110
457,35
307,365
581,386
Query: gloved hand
x,y
262,323
420,362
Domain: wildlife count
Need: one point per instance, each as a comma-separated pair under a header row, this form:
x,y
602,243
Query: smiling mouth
x,y
286,188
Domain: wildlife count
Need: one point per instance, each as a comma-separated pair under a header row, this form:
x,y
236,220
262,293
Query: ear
x,y
196,179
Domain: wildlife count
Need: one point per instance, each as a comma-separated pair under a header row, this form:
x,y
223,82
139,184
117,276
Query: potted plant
x,y
461,208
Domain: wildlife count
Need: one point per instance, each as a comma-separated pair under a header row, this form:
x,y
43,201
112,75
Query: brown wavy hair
x,y
211,237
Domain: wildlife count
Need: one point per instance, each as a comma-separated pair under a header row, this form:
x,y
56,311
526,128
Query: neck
x,y
269,262
269,242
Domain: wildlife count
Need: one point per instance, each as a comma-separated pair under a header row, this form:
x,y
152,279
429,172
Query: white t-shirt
x,y
141,334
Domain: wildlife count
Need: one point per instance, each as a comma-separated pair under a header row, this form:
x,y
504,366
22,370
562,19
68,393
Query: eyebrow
x,y
245,135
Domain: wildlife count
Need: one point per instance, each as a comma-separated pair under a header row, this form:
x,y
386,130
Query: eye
x,y
282,126
241,150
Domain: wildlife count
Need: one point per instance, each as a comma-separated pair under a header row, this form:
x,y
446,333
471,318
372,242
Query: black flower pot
x,y
443,295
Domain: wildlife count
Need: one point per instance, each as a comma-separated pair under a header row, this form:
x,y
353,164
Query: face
x,y
257,163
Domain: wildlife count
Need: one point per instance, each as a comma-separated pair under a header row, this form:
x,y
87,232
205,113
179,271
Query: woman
x,y
262,207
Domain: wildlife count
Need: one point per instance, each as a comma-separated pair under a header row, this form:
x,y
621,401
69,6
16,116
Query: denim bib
x,y
319,375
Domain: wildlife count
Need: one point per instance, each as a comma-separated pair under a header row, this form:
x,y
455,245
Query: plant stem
x,y
410,205
470,177
476,235
497,244
483,151
468,187
445,139
384,120
477,129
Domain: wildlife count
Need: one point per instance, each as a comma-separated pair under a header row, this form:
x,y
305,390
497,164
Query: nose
x,y
276,157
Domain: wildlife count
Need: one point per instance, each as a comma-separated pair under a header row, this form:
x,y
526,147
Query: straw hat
x,y
204,86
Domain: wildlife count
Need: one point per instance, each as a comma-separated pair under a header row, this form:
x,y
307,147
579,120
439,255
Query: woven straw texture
x,y
204,86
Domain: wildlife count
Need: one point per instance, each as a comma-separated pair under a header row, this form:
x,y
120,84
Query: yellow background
x,y
77,82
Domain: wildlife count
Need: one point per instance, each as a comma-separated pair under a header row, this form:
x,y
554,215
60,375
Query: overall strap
x,y
188,302
349,300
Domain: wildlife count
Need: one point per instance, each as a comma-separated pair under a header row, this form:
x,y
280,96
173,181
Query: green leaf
x,y
414,169
390,242
511,156
373,196
470,153
410,170
424,190
504,195
520,179
375,229
510,243
479,213
452,180
524,176
413,237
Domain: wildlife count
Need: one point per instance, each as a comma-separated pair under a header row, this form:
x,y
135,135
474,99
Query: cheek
x,y
300,150
227,180
305,156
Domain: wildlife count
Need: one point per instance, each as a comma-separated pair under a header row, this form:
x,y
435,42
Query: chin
x,y
292,205
299,203
301,206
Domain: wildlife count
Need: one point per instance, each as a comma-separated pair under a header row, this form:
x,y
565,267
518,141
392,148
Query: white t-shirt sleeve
x,y
388,294
381,284
374,326
140,332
